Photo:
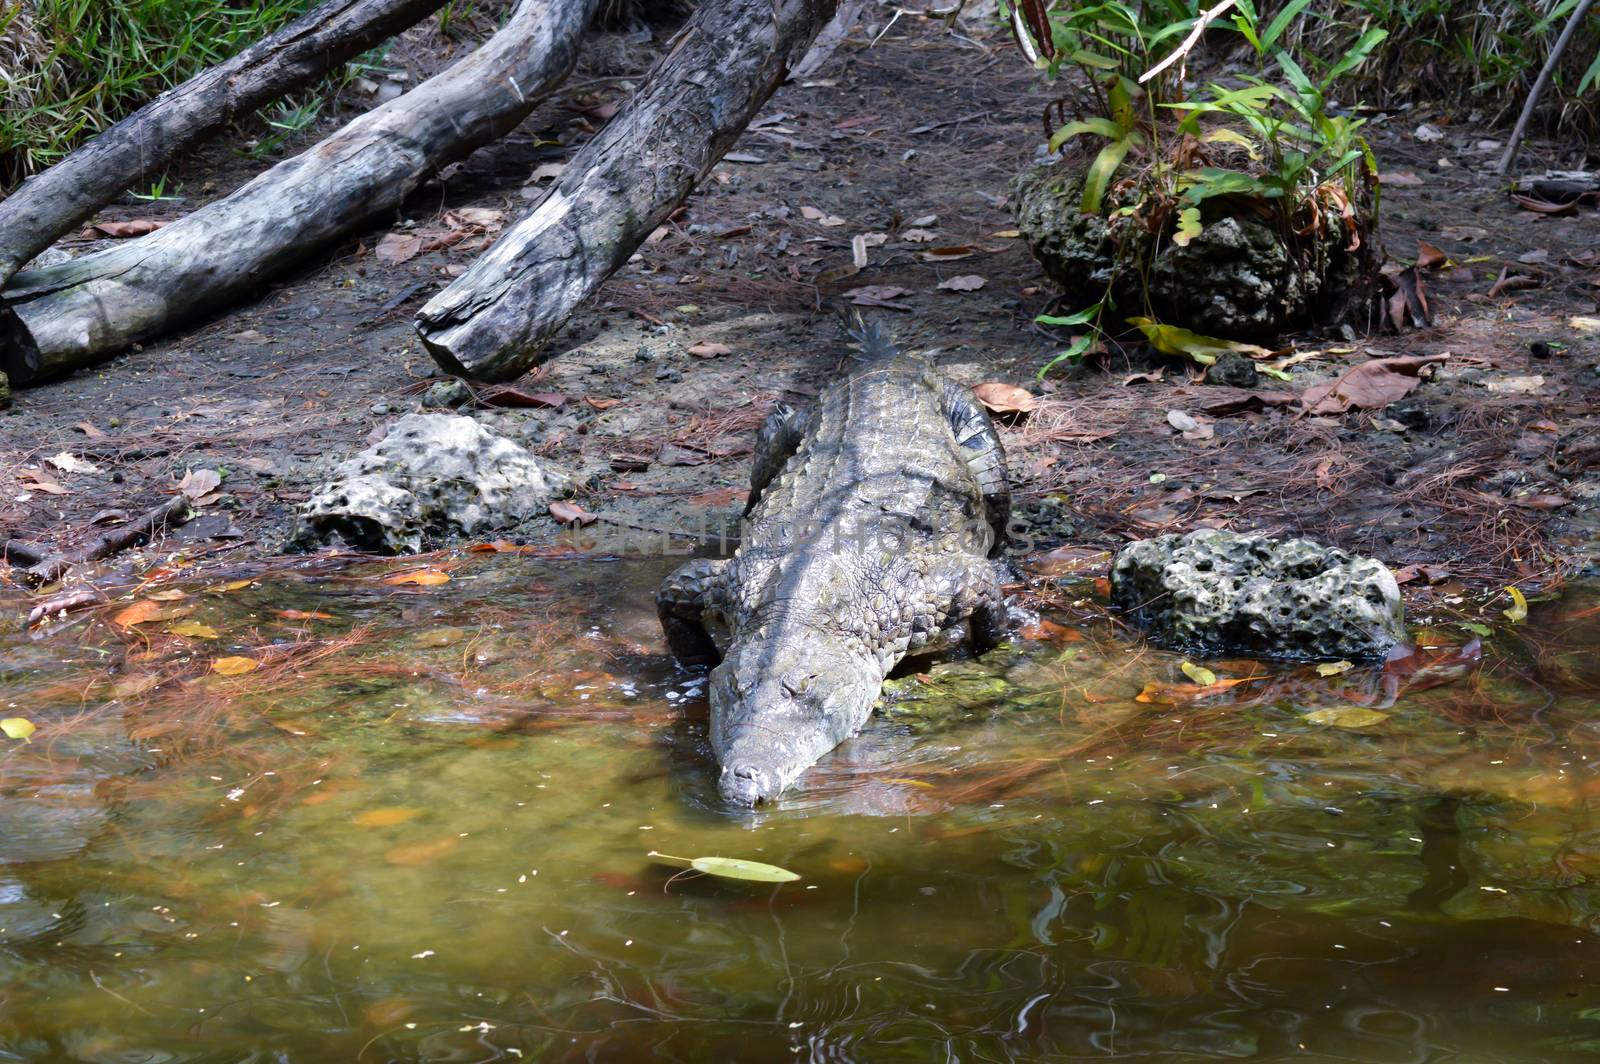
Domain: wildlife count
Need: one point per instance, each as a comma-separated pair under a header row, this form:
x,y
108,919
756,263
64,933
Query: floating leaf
x,y
1334,668
305,615
387,817
234,666
21,728
145,611
1519,606
734,868
1198,673
1475,628
421,577
231,585
1347,716
193,630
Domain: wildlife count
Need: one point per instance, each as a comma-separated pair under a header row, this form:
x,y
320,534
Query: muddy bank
x,y
652,399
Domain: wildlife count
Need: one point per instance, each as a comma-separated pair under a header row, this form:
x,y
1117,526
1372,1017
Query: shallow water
x,y
420,830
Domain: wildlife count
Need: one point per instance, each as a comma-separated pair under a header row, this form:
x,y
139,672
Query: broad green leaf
x,y
1231,136
1355,56
1591,77
1347,716
1334,668
1198,673
738,868
17,727
1175,340
1079,317
1275,373
1103,127
1074,350
1084,57
1099,176
1276,27
1519,606
1189,226
1475,628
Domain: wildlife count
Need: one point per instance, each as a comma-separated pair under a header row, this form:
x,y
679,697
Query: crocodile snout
x,y
747,785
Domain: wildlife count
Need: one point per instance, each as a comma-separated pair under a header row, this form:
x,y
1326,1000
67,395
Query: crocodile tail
x,y
872,340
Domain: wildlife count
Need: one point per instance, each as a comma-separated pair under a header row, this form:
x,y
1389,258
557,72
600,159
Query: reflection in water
x,y
418,829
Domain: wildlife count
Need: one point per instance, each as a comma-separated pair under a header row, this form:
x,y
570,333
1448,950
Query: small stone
x,y
1213,593
1233,370
380,408
448,393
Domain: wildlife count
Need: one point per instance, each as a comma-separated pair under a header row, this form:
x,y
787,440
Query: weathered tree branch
x,y
141,145
80,312
694,105
50,568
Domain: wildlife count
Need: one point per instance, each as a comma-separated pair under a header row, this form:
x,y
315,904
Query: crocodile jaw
x,y
773,719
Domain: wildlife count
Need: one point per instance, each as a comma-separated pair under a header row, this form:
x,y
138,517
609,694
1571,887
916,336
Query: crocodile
x,y
871,533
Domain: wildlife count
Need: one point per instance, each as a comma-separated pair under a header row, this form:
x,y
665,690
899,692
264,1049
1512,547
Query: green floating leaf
x,y
1347,716
1475,628
1519,606
17,727
1198,673
1334,668
737,868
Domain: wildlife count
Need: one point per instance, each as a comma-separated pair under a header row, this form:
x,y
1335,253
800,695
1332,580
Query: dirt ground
x,y
1483,473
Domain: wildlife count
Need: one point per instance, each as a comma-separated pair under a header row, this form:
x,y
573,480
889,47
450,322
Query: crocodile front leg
x,y
777,439
979,600
682,602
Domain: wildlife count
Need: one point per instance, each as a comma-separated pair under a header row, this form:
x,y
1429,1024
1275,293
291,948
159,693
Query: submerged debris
x,y
1215,593
434,477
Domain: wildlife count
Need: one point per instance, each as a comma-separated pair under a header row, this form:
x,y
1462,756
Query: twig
x,y
65,604
169,514
1539,84
1188,42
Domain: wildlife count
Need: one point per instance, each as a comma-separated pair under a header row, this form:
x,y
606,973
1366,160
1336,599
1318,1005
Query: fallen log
x,y
141,145
725,63
63,317
52,567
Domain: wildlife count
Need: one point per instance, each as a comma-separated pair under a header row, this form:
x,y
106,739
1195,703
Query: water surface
x,y
420,827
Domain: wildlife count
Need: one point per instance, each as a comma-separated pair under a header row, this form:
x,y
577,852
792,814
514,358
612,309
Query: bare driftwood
x,y
726,62
80,312
51,204
46,569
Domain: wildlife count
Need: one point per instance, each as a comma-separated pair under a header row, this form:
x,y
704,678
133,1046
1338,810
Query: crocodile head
x,y
776,709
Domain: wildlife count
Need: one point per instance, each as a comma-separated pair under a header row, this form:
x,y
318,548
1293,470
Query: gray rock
x,y
1233,370
433,478
446,393
1212,593
1237,279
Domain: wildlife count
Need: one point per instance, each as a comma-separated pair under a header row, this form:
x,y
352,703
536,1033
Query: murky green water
x,y
419,830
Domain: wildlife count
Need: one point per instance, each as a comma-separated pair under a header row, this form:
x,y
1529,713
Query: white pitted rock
x,y
1212,593
433,478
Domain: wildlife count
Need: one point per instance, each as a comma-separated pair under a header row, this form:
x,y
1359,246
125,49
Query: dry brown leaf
x,y
141,612
304,615
919,236
948,254
510,396
967,282
601,402
1430,257
123,230
1001,398
879,295
39,480
1372,385
709,349
396,248
198,483
569,513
